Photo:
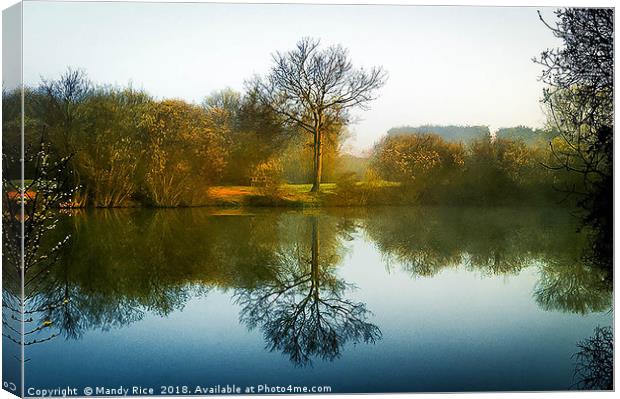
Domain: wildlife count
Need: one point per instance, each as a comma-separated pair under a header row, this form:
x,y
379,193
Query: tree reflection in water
x,y
594,362
426,241
302,311
282,266
572,287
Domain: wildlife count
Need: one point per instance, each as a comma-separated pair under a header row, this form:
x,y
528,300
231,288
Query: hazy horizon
x,y
446,65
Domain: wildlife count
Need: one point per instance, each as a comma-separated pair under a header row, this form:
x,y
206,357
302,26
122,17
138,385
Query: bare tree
x,y
314,89
61,105
63,98
580,100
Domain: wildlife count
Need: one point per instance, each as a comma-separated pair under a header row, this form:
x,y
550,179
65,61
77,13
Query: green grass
x,y
305,188
297,195
290,195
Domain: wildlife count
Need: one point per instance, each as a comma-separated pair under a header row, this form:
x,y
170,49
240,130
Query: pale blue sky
x,y
446,65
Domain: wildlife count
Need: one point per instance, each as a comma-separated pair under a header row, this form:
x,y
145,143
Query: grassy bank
x,y
284,195
347,193
343,194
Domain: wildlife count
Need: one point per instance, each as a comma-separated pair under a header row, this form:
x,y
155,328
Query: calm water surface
x,y
374,300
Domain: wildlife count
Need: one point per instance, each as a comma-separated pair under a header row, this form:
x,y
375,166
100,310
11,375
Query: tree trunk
x,y
318,162
314,261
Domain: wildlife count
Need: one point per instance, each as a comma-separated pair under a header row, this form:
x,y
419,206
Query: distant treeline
x,y
527,134
449,133
466,133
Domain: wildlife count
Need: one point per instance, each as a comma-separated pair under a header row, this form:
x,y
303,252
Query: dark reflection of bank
x,y
303,311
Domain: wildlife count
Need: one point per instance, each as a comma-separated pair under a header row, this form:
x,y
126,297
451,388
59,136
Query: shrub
x,y
267,176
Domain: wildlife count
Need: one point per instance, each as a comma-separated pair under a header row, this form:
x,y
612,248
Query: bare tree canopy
x,y
314,89
585,63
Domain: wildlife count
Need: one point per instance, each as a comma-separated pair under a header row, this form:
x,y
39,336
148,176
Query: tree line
x,y
289,125
125,146
124,143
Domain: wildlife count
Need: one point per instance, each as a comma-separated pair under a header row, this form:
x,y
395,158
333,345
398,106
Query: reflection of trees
x,y
281,266
126,262
123,263
594,362
425,241
572,287
302,310
75,311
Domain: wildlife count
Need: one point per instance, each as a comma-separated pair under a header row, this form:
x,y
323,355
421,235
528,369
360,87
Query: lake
x,y
358,300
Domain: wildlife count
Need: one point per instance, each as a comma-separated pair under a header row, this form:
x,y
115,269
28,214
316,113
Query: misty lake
x,y
361,300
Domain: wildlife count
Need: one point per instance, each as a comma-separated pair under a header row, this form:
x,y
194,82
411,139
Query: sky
x,y
446,65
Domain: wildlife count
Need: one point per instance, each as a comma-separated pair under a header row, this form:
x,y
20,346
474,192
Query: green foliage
x,y
503,171
421,162
297,156
11,132
123,146
253,133
267,177
357,165
348,190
